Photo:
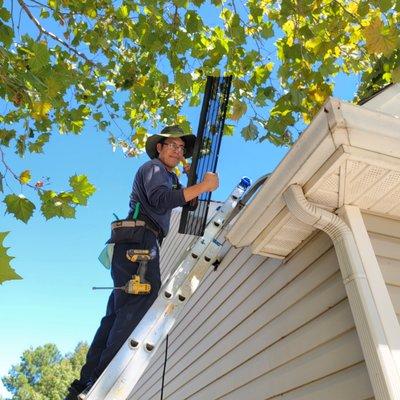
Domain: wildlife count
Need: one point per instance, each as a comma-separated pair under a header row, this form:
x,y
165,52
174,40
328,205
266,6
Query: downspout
x,y
380,364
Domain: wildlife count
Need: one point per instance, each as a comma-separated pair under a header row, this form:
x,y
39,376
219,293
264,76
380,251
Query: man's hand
x,y
210,182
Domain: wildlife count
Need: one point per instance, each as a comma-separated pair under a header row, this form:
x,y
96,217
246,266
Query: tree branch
x,y
8,169
50,34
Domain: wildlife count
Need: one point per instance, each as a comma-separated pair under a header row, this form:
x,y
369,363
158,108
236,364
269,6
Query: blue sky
x,y
58,258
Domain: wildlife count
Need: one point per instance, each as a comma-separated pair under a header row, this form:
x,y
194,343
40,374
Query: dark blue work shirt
x,y
158,192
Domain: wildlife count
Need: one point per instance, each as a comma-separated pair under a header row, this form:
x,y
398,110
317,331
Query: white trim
x,y
384,305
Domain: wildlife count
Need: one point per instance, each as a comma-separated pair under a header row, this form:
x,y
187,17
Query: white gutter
x,y
381,365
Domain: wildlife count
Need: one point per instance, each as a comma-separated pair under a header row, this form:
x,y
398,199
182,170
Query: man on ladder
x,y
155,192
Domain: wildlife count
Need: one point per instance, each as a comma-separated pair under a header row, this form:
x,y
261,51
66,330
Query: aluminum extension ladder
x,y
124,371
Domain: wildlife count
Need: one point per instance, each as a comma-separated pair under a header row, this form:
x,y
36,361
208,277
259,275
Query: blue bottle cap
x,y
245,182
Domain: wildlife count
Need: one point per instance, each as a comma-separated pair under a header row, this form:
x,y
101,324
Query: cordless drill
x,y
137,284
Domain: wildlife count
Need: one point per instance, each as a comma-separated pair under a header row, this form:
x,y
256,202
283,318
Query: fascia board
x,y
385,99
372,130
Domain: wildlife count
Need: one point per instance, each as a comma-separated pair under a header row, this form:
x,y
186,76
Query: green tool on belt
x,y
136,211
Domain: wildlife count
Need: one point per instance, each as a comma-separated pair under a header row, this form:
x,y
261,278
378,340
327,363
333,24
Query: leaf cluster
x,y
53,204
159,54
44,373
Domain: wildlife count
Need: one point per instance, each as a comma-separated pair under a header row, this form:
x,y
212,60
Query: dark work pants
x,y
124,311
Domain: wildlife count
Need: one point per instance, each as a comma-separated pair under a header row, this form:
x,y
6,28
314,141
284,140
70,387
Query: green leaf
x,y
383,5
6,136
44,13
5,15
238,109
6,272
380,39
181,3
184,80
250,132
19,206
261,73
6,34
21,145
57,205
40,109
82,188
267,30
41,56
37,146
229,130
123,11
25,177
193,22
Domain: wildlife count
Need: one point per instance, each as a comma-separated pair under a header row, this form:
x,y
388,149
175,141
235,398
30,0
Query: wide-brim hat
x,y
174,131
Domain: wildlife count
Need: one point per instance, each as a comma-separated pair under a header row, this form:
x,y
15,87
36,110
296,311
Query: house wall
x,y
261,328
385,238
173,245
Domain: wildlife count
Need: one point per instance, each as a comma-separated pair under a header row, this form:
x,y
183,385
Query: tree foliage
x,y
44,373
139,63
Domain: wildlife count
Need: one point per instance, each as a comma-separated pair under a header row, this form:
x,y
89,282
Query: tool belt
x,y
122,231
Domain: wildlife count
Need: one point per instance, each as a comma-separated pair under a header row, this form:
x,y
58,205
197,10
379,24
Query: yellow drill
x,y
138,283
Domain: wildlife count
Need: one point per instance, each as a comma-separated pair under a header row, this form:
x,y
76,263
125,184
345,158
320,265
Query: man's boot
x,y
75,390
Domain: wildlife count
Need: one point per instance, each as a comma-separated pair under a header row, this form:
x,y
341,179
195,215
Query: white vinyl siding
x,y
262,329
385,238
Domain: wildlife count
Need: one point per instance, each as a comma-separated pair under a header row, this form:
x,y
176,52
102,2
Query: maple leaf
x,y
250,132
380,39
82,188
19,206
40,109
238,109
6,272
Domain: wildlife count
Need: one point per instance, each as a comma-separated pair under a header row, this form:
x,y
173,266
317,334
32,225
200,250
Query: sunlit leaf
x,y
40,109
239,108
6,34
6,272
40,56
25,176
6,136
229,130
380,39
19,206
37,146
250,132
82,188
